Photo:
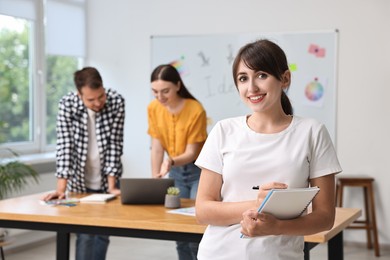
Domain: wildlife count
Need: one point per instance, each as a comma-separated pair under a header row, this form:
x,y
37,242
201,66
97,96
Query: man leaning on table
x,y
89,148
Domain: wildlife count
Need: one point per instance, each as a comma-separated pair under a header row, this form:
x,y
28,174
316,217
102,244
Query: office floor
x,y
142,249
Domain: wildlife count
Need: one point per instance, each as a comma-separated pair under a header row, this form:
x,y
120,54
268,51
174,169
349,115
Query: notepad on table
x,y
97,198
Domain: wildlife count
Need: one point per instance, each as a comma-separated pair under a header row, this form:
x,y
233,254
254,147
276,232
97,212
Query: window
x,y
15,83
42,43
59,81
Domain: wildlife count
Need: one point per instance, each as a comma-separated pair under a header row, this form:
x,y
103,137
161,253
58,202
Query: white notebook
x,y
97,198
288,203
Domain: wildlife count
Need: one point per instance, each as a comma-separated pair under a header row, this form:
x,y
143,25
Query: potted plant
x,y
13,173
172,199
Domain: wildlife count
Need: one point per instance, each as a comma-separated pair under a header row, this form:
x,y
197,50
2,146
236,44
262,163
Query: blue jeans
x,y
187,180
91,247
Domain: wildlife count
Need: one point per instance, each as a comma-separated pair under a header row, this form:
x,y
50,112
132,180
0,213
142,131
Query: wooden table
x,y
141,221
334,237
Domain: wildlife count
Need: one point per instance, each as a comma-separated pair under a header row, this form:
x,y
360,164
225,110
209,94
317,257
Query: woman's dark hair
x,y
266,56
87,76
167,72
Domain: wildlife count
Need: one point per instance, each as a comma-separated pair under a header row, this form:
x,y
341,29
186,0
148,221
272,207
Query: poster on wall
x,y
205,65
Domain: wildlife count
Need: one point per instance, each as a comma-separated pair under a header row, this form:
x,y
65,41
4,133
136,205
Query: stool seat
x,y
369,223
355,181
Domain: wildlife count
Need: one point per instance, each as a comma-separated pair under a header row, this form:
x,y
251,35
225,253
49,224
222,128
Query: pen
x,y
255,187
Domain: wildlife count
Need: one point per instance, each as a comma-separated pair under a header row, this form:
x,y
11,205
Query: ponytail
x,y
286,104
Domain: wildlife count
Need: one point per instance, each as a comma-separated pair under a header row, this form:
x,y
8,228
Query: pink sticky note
x,y
313,48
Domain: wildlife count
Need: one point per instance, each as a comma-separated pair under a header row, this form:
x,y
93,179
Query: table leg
x,y
306,251
63,241
308,246
336,247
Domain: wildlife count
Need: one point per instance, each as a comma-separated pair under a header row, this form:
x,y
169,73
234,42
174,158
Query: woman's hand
x,y
165,168
258,224
265,188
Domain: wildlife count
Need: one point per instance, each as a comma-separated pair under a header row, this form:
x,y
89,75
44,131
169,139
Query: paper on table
x,y
63,202
190,211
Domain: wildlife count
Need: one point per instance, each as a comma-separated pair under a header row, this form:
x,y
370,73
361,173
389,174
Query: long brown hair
x,y
167,72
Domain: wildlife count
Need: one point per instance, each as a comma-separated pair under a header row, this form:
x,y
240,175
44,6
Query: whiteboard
x,y
205,65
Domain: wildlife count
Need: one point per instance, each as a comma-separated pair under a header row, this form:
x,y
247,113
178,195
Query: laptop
x,y
144,190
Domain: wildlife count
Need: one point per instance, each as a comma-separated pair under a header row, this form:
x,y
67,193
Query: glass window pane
x,y
15,79
59,82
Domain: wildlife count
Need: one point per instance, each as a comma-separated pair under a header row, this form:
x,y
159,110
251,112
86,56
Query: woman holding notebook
x,y
270,148
177,125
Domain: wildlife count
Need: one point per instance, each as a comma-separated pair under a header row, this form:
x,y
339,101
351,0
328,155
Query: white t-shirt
x,y
93,176
244,158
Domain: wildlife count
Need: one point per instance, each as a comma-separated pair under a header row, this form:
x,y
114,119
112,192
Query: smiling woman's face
x,y
259,90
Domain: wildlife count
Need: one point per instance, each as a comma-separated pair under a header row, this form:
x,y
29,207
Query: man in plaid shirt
x,y
89,148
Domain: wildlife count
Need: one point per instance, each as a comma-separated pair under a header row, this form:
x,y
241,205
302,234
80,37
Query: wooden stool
x,y
369,223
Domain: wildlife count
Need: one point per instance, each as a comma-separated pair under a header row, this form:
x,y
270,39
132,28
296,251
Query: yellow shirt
x,y
176,131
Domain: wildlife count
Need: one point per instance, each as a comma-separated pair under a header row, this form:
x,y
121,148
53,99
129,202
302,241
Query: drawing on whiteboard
x,y
230,57
180,66
314,93
205,61
220,88
317,51
314,90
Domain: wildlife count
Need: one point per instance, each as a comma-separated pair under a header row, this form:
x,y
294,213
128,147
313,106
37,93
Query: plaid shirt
x,y
72,139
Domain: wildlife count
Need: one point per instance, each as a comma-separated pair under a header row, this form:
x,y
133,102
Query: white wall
x,y
119,45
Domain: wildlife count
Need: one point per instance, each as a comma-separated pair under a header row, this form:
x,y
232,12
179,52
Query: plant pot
x,y
172,201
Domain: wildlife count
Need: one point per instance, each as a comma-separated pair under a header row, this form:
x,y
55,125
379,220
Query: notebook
x,y
287,203
97,198
144,190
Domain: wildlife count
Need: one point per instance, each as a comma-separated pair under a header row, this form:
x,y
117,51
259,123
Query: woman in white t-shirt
x,y
270,148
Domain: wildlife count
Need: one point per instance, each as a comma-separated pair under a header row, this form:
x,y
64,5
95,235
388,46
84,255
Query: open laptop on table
x,y
144,190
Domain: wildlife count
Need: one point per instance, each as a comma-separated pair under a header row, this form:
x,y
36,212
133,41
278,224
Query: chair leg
x,y
336,202
339,195
373,220
2,253
368,212
369,222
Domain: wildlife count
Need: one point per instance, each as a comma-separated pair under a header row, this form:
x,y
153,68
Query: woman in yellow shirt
x,y
178,127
